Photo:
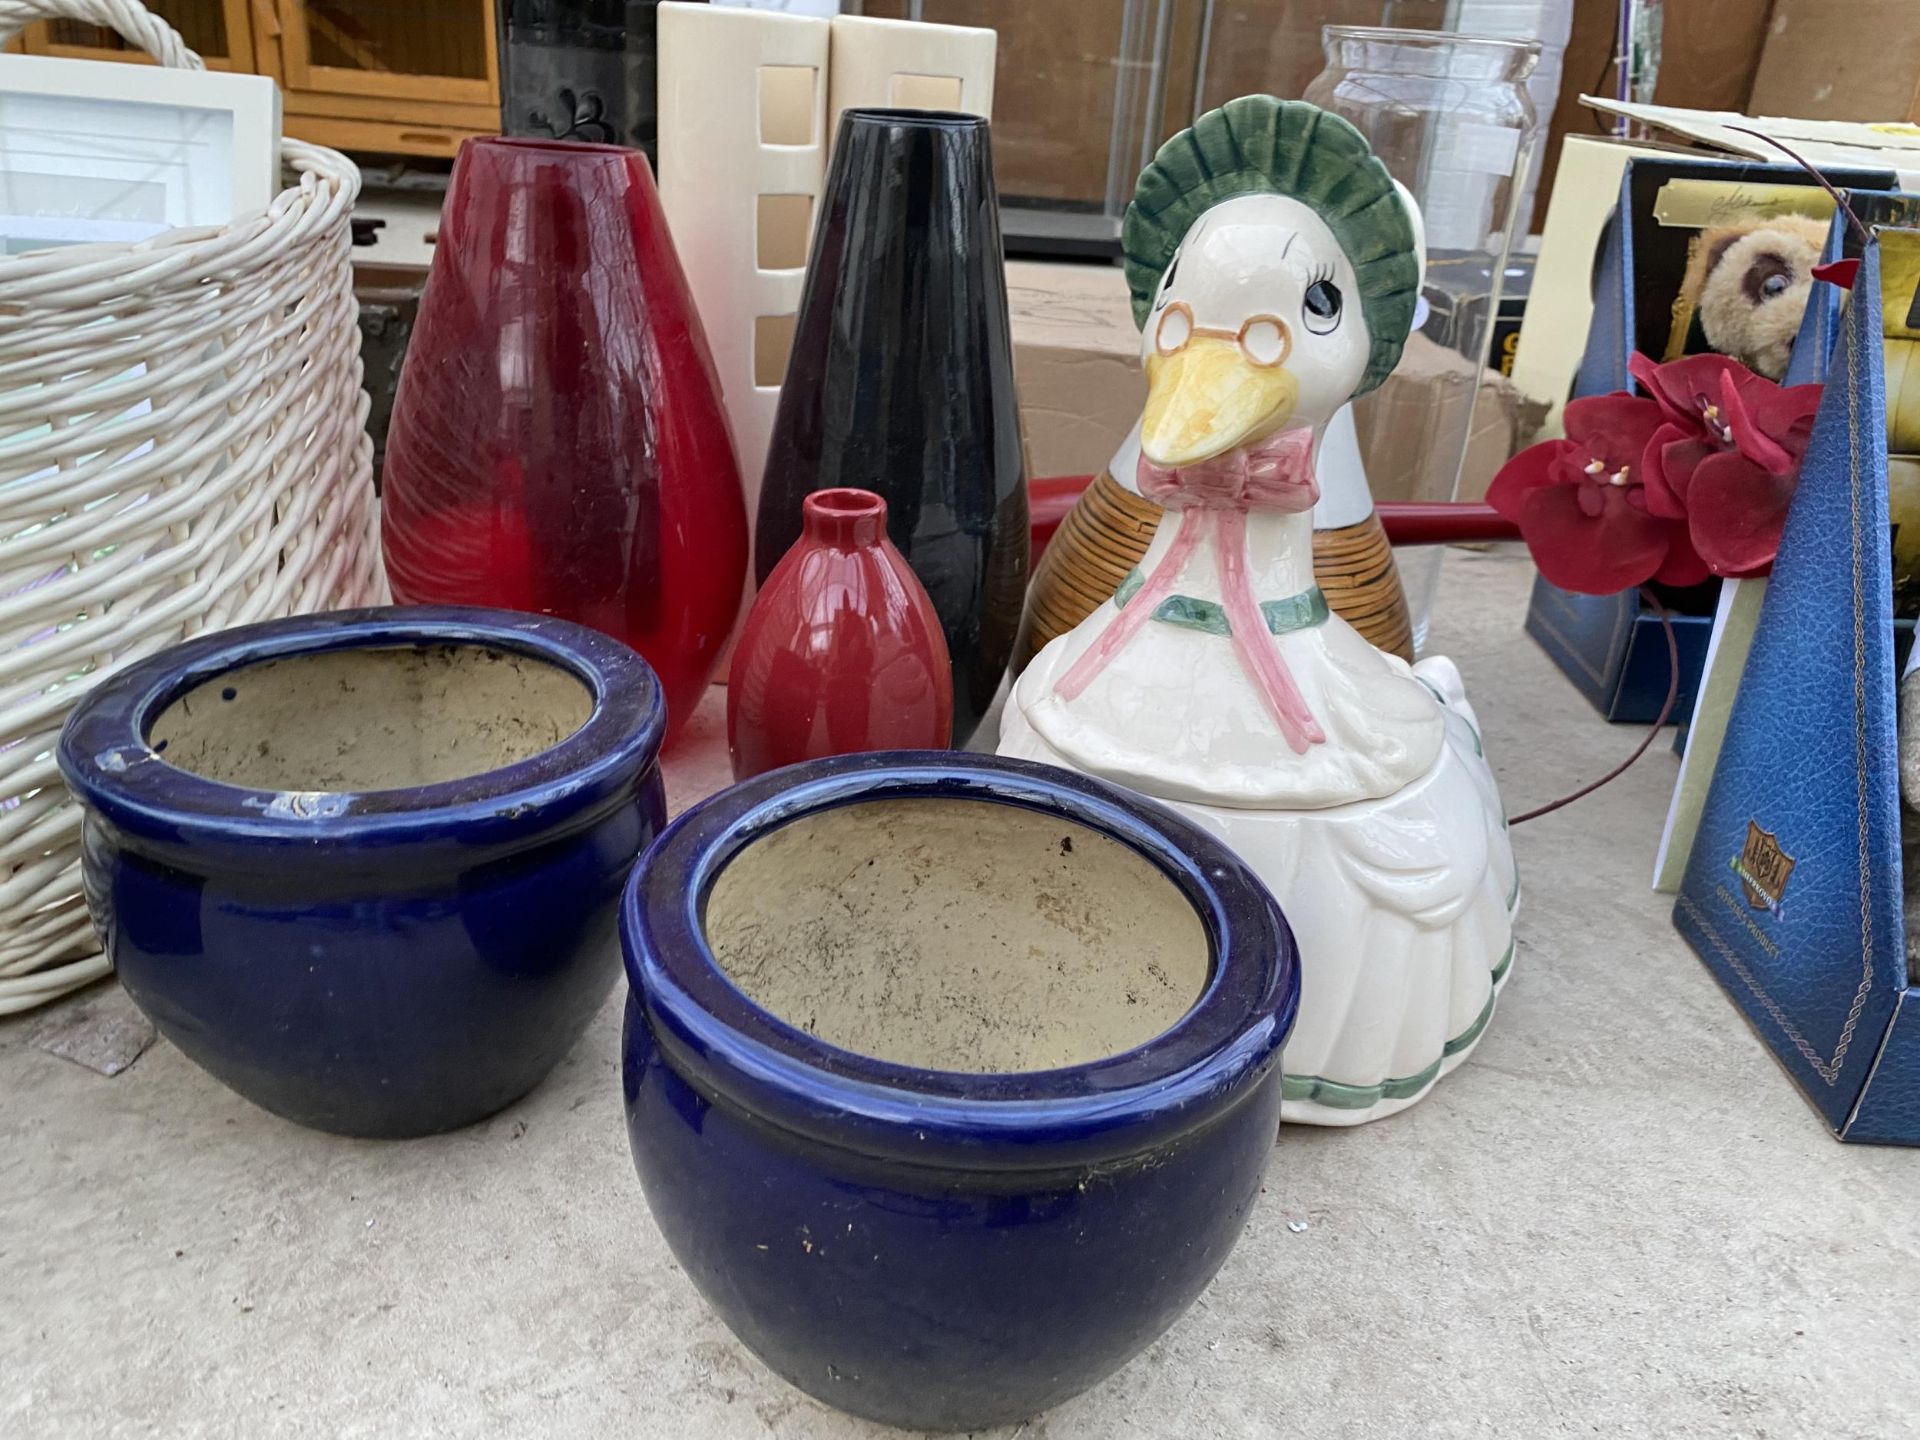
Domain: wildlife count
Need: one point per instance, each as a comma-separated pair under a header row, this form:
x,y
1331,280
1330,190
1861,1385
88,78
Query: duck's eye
x,y
1264,340
1176,328
1321,306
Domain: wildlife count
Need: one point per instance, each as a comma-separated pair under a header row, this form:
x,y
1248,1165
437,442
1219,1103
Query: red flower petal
x,y
1612,428
1748,438
1682,387
1736,512
1784,415
1683,565
1592,555
1524,473
1667,465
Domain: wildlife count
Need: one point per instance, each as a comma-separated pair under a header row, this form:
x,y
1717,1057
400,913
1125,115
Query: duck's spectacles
x,y
1264,340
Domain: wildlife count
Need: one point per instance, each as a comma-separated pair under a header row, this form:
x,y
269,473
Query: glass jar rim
x,y
1451,38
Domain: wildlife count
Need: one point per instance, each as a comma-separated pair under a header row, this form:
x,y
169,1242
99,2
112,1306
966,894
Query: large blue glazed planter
x,y
960,1245
364,867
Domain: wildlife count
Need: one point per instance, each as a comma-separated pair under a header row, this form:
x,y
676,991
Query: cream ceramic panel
x,y
743,109
911,66
1560,305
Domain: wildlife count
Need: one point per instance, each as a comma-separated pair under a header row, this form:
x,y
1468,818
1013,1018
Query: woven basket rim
x,y
324,175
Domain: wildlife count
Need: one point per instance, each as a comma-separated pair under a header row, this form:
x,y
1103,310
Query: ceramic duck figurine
x,y
1275,267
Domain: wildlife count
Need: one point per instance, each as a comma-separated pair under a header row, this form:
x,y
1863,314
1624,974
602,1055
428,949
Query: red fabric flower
x,y
1582,503
1728,457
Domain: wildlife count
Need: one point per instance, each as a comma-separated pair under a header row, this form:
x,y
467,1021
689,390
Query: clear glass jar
x,y
1450,117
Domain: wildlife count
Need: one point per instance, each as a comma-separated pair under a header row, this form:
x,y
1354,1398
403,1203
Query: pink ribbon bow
x,y
1215,495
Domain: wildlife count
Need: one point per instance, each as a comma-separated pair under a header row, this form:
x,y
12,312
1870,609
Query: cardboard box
x,y
1840,60
1431,393
1076,361
1882,147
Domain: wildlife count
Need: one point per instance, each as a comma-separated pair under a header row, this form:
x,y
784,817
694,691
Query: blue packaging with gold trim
x,y
1613,650
1792,896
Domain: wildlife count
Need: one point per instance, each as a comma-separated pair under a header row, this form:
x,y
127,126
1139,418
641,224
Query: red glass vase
x,y
557,442
842,650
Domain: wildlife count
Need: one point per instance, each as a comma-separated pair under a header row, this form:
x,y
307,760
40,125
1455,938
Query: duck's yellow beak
x,y
1207,398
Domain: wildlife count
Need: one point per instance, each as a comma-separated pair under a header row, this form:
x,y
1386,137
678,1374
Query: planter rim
x,y
105,757
1118,1105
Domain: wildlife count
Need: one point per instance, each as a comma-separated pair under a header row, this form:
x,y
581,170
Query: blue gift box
x,y
1611,646
1793,892
1614,651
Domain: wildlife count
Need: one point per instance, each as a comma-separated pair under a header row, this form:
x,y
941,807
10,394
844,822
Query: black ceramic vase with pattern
x,y
900,380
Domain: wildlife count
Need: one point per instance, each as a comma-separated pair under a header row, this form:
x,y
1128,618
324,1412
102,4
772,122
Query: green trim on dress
x,y
1294,612
1336,1096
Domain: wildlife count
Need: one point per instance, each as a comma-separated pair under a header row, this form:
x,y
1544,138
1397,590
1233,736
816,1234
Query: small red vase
x,y
557,442
842,650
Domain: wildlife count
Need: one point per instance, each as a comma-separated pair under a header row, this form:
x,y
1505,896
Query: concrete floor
x,y
1618,1218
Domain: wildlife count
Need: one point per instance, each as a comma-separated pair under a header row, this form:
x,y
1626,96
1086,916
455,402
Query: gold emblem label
x,y
1764,868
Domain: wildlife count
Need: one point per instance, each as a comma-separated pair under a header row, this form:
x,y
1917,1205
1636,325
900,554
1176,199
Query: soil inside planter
x,y
958,935
371,719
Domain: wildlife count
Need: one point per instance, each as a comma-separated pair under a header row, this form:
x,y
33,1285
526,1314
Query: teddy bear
x,y
1749,285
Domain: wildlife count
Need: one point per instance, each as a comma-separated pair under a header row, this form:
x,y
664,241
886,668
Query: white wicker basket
x,y
182,447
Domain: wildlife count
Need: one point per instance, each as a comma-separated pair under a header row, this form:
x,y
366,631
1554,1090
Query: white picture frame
x,y
96,151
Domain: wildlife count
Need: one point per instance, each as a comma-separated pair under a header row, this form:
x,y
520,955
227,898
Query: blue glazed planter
x,y
369,959
935,1248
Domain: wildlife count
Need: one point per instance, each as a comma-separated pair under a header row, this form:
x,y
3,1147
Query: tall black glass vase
x,y
900,380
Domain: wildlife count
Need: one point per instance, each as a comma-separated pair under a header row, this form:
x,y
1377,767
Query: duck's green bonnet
x,y
1260,145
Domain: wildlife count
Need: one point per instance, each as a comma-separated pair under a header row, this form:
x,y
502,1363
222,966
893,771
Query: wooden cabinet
x,y
411,78
220,30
